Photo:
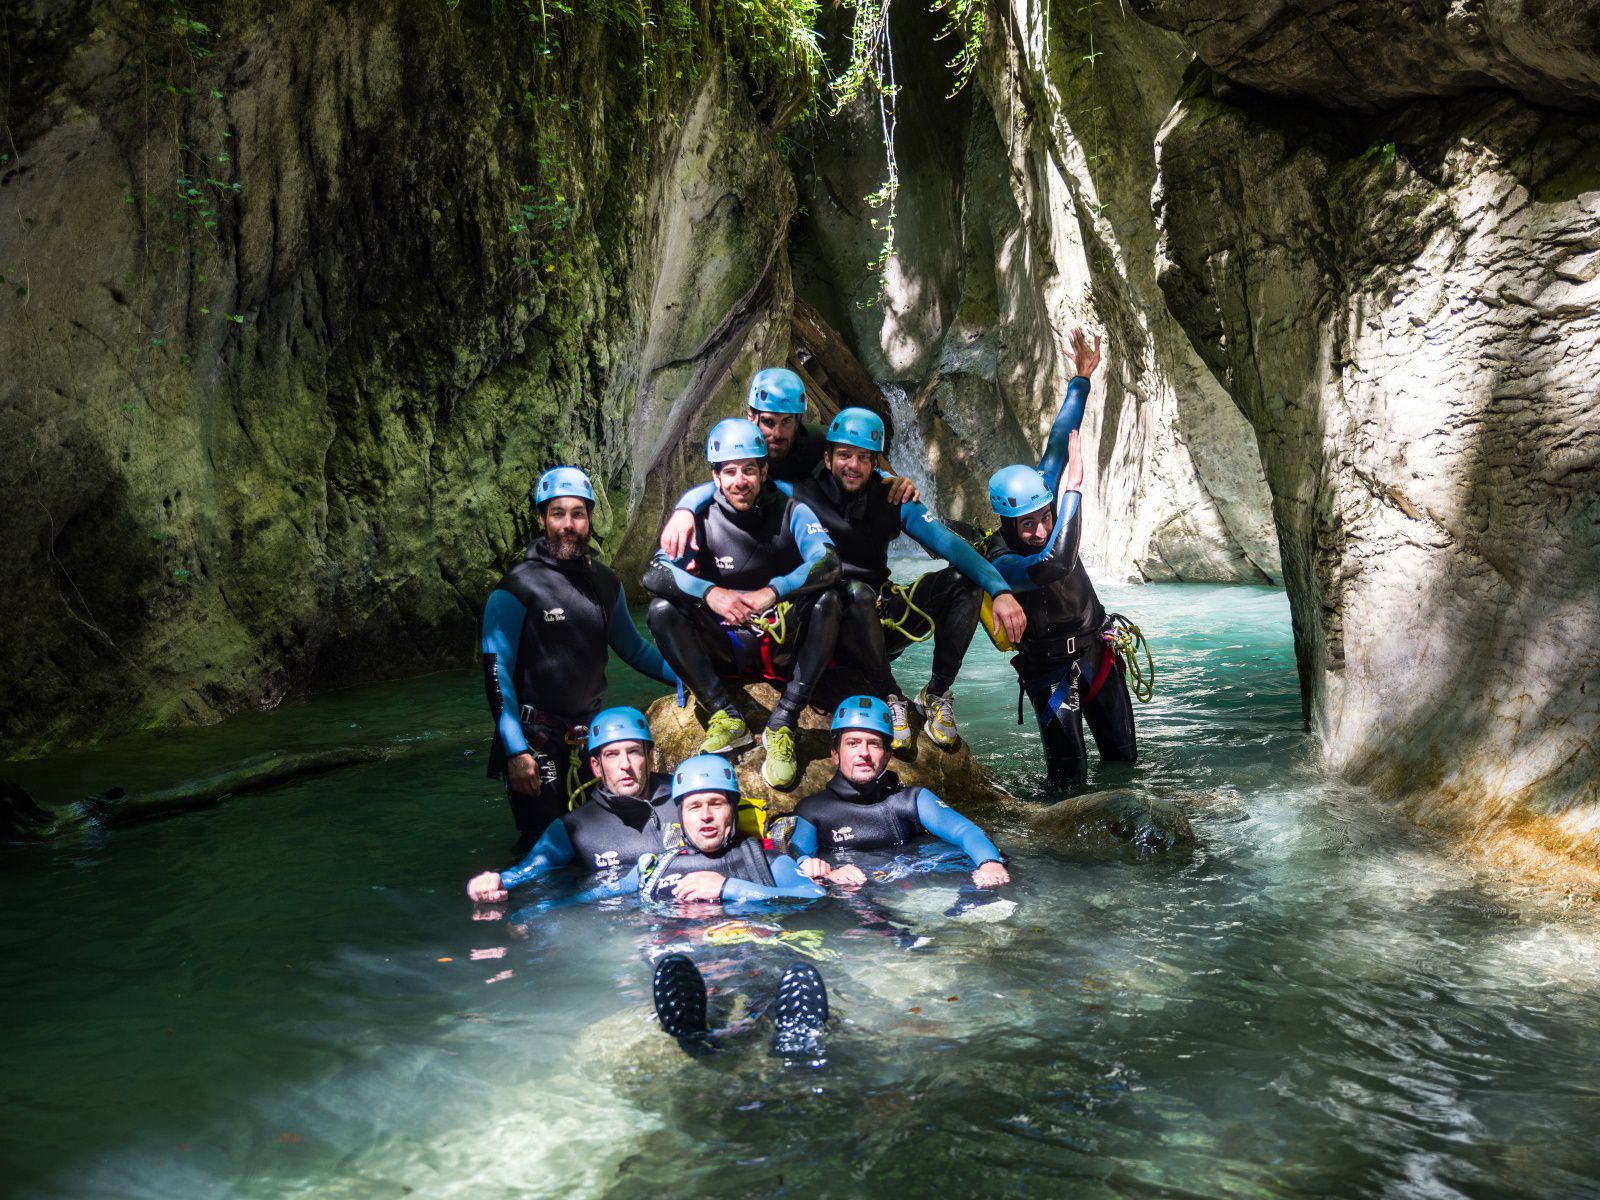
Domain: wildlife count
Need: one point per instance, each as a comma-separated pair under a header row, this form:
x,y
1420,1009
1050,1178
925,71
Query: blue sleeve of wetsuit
x,y
502,630
698,499
819,562
787,884
666,577
803,841
1067,420
627,885
554,849
633,649
945,823
932,534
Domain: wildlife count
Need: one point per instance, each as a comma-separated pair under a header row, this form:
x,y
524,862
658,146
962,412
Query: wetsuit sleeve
x,y
819,562
787,884
1067,420
697,499
945,823
933,535
803,841
666,577
625,886
502,630
633,649
553,850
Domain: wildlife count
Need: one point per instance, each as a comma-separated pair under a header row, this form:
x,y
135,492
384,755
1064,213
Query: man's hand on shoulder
x,y
677,535
901,491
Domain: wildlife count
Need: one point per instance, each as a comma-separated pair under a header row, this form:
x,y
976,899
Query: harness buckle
x,y
1072,644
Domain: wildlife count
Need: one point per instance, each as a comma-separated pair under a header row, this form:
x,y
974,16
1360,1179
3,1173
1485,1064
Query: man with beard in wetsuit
x,y
1066,667
626,816
864,806
546,627
755,600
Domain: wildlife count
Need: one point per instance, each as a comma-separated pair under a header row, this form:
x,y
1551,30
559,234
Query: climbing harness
x,y
905,595
1126,640
807,942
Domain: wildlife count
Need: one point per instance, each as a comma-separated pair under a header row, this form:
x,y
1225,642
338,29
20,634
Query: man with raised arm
x,y
546,627
626,815
755,600
1063,660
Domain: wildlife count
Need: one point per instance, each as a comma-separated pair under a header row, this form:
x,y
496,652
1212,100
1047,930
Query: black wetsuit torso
x,y
564,676
801,460
743,551
870,817
861,526
1063,612
613,831
745,858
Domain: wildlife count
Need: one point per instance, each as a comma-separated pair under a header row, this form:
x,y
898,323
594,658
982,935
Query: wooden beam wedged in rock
x,y
849,382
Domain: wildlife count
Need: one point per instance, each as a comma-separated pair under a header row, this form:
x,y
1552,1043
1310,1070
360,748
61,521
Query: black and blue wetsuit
x,y
777,543
546,627
1062,659
607,832
751,872
844,816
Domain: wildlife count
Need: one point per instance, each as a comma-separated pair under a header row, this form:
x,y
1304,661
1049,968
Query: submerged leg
x,y
799,1012
1110,713
680,996
1065,754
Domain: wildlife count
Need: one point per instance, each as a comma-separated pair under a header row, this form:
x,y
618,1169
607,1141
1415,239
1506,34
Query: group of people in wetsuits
x,y
777,569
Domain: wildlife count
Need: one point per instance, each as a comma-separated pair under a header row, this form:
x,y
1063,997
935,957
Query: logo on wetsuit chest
x,y
844,833
608,859
724,562
555,614
814,527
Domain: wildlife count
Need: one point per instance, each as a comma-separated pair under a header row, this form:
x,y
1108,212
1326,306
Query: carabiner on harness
x,y
774,622
1126,640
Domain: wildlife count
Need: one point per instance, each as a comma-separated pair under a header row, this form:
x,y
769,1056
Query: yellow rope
x,y
774,622
1127,640
576,784
898,624
802,941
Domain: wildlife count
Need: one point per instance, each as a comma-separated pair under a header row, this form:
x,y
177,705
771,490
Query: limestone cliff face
x,y
1406,306
1024,210
299,299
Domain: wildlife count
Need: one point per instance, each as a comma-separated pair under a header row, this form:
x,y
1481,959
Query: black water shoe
x,y
680,996
799,1012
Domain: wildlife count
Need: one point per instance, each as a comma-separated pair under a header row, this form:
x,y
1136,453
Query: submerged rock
x,y
1106,820
953,775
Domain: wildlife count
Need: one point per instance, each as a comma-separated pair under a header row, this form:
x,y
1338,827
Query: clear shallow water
x,y
251,1002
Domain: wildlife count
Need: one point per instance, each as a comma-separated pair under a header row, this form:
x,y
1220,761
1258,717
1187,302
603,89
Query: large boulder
x,y
954,775
1106,821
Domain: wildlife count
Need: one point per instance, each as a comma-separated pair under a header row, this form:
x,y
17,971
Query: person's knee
x,y
828,606
662,614
858,596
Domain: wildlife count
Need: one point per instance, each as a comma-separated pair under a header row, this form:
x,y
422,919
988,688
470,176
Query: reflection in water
x,y
289,995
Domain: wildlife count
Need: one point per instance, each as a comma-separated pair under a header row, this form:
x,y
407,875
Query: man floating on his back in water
x,y
717,614
1065,665
546,627
625,817
716,863
864,806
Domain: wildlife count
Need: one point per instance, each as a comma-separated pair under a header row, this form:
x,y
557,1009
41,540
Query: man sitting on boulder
x,y
864,806
626,816
755,600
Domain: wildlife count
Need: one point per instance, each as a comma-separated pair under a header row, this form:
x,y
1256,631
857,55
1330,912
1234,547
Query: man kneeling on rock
x,y
626,816
864,806
754,600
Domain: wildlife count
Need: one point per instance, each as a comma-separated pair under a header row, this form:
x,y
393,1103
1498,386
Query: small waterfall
x,y
908,457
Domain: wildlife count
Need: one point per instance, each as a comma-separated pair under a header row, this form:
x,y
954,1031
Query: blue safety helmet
x,y
864,712
735,438
1016,491
563,481
619,725
778,390
704,773
858,427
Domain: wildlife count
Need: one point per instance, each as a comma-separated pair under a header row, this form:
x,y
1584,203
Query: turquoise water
x,y
251,1001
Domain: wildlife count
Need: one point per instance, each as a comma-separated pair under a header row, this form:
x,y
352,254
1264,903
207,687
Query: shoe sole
x,y
680,997
799,1012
